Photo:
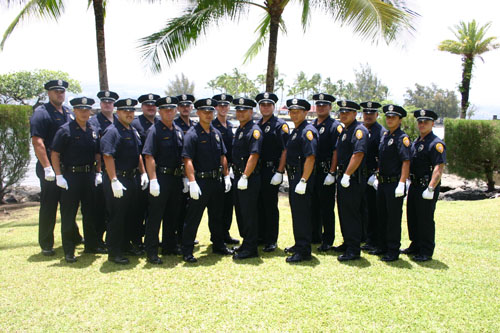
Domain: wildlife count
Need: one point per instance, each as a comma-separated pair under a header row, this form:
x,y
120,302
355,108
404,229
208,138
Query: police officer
x,y
349,159
323,202
300,159
275,136
76,147
204,163
390,183
376,131
428,158
142,123
226,129
247,146
46,120
100,122
162,151
120,147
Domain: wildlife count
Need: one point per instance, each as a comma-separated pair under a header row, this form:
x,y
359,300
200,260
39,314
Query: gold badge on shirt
x,y
406,141
359,134
309,135
285,128
256,134
339,128
440,148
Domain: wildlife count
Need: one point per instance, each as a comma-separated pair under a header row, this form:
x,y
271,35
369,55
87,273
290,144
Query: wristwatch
x,y
303,180
114,180
244,176
430,188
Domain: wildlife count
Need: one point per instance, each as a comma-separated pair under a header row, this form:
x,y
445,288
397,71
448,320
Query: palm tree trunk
x,y
468,63
275,13
101,47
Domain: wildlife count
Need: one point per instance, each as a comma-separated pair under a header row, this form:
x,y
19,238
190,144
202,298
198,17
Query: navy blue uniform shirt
x,y
227,137
46,120
425,154
164,144
302,143
99,122
275,132
393,150
184,127
123,144
353,139
205,149
76,146
247,141
142,124
327,138
376,131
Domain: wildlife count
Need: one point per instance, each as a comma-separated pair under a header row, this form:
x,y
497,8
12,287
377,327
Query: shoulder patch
x,y
256,134
309,135
406,141
440,147
339,128
359,134
285,128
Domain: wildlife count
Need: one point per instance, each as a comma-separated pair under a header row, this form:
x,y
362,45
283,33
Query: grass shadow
x,y
111,267
359,263
15,246
433,264
311,263
18,225
39,257
83,261
250,261
400,263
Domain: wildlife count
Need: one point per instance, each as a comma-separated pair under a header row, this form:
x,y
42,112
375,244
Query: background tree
x,y
367,86
471,43
340,89
371,19
236,83
179,85
443,102
26,87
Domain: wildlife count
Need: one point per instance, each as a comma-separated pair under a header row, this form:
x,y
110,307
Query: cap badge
x,y
209,101
84,101
184,97
169,100
422,113
223,97
150,96
321,96
59,82
391,107
266,95
241,101
369,104
294,101
344,103
106,94
129,102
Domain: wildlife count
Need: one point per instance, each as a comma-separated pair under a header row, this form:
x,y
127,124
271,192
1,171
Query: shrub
x,y
408,125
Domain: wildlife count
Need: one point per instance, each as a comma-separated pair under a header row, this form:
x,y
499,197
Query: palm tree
x,y
471,42
372,19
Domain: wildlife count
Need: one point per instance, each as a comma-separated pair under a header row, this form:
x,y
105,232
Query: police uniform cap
x,y
107,96
425,114
323,99
56,85
298,104
242,103
127,104
168,102
82,103
223,99
394,110
370,107
148,99
205,104
346,106
185,99
266,97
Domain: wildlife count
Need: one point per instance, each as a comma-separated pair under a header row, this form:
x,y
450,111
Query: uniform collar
x,y
261,120
249,124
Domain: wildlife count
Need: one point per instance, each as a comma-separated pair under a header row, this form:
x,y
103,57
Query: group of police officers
x,y
132,175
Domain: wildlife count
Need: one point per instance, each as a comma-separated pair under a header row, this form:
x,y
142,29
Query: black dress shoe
x,y
237,248
223,250
324,248
348,256
135,251
290,249
270,247
368,247
390,257
409,250
231,240
189,258
48,252
154,260
340,248
97,250
70,258
196,242
245,254
421,258
377,252
118,260
297,257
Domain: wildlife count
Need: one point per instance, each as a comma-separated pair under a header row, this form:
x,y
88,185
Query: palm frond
x,y
263,34
306,9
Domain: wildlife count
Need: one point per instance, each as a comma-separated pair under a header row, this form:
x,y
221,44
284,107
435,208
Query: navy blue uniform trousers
x,y
268,211
300,205
245,202
390,210
323,210
349,202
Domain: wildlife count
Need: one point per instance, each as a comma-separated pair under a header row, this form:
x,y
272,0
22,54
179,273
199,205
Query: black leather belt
x,y
213,174
388,179
170,171
126,173
79,168
420,181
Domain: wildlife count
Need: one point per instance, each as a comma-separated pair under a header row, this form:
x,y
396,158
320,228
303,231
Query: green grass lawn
x,y
458,291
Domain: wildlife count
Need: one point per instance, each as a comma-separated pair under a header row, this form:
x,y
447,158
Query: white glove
x,y
185,183
243,183
227,183
375,184
301,187
400,190
329,180
154,187
277,178
61,182
144,181
194,190
98,179
345,181
117,188
371,180
428,195
49,174
231,173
